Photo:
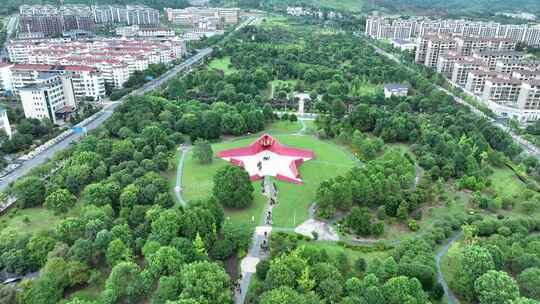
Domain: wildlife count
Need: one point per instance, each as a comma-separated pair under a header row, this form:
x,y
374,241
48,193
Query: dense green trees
x,y
202,151
232,187
60,201
29,191
496,287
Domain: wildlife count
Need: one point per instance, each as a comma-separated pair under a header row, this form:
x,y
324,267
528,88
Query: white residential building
x,y
394,89
6,83
382,27
87,82
51,94
191,16
116,59
4,122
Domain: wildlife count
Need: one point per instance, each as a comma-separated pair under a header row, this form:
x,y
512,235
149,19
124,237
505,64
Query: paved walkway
x,y
256,253
450,297
179,170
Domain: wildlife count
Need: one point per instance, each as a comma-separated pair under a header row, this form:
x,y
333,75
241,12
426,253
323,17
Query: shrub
x,y
413,225
378,229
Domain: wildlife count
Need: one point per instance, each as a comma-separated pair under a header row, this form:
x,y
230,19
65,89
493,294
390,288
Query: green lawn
x,y
333,249
330,160
275,21
504,181
39,219
197,183
294,200
284,126
346,5
367,89
223,64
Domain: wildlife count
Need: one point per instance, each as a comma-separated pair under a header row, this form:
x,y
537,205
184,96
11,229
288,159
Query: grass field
x,y
293,199
504,181
284,126
223,64
39,219
275,21
333,249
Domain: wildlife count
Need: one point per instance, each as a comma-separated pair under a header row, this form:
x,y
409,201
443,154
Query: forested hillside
x,y
457,7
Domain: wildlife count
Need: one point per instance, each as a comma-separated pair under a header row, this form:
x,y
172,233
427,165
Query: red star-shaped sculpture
x,y
267,157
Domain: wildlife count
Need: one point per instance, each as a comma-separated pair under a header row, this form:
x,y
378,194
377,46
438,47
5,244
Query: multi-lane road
x,y
528,147
106,112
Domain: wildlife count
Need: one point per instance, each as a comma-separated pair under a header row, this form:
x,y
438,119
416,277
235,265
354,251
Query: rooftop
x,y
396,87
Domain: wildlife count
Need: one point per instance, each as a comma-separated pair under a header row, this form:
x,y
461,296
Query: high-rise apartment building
x,y
52,21
380,27
191,16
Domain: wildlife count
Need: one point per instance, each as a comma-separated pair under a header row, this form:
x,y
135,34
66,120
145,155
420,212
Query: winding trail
x,y
255,254
179,171
440,278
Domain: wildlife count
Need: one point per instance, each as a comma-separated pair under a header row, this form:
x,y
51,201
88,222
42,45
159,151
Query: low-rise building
x,y
144,32
403,44
395,89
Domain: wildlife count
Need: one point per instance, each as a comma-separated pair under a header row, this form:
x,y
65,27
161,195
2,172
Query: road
x,y
26,166
528,147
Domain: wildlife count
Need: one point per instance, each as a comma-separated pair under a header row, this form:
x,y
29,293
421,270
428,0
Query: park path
x,y
179,170
451,298
248,265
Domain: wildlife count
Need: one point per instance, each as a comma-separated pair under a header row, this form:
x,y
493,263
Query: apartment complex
x,y
192,16
50,96
144,32
87,82
115,59
49,20
380,27
503,79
